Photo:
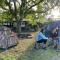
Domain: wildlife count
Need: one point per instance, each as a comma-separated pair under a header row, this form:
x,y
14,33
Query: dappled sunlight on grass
x,y
25,51
13,53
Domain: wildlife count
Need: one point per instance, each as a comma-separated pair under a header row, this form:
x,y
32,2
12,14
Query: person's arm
x,y
43,36
36,37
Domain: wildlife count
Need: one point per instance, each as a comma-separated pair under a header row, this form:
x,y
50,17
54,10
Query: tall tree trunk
x,y
18,28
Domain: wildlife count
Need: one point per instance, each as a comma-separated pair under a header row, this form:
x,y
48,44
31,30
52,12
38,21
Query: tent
x,y
8,38
53,25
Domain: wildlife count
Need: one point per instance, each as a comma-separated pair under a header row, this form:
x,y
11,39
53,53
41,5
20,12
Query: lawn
x,y
25,51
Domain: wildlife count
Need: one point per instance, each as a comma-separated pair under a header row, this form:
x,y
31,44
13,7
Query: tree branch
x,y
51,8
3,8
28,1
35,4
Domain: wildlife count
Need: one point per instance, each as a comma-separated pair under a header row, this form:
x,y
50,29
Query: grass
x,y
17,51
25,51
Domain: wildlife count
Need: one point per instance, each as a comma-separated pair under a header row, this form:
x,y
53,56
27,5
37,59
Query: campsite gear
x,y
7,38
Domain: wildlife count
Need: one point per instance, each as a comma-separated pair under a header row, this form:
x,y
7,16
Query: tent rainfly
x,y
7,38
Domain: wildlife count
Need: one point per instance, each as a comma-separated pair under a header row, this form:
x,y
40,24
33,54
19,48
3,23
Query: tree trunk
x,y
18,27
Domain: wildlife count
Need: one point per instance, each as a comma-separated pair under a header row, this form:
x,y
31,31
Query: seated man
x,y
40,38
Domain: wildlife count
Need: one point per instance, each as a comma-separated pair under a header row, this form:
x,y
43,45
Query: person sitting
x,y
40,38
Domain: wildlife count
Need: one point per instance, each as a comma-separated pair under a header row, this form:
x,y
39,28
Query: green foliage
x,y
7,57
5,16
31,19
42,19
40,7
2,2
24,10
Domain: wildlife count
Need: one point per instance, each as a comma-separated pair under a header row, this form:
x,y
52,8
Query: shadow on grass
x,y
28,54
4,49
31,53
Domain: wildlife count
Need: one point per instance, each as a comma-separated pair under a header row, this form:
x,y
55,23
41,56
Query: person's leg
x,y
37,44
44,43
50,42
55,44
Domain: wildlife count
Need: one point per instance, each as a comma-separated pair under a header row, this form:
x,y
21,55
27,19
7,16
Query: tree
x,y
50,4
24,8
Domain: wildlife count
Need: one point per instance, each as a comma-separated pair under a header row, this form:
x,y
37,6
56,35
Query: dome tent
x,y
8,38
53,25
